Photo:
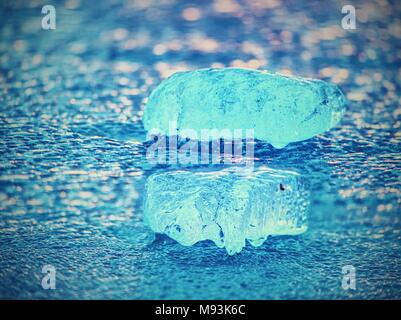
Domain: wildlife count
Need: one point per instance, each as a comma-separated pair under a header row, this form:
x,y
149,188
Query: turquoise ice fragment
x,y
281,109
227,207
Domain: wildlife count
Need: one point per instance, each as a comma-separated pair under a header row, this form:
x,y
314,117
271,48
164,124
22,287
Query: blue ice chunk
x,y
227,206
281,109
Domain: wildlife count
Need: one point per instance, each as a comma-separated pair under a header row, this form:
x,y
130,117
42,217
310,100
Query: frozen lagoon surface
x,y
73,169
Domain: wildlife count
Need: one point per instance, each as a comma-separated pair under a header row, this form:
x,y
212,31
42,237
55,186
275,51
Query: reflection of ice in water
x,y
227,206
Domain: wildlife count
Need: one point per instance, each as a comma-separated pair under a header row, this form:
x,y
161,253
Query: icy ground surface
x,y
227,206
280,109
73,171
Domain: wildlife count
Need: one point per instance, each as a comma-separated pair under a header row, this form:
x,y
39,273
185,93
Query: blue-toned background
x,y
72,165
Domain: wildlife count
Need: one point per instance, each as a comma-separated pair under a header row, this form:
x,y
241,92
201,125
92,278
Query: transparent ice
x,y
227,206
281,109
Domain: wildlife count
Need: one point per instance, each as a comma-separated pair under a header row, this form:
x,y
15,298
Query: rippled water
x,y
72,164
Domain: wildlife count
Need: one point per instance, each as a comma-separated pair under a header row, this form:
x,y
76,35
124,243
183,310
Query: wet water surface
x,y
73,166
